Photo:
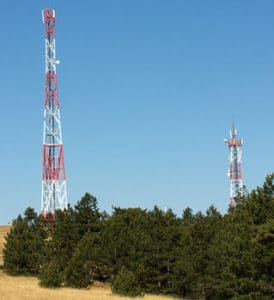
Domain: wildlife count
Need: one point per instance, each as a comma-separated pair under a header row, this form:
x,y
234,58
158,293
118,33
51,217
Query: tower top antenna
x,y
233,131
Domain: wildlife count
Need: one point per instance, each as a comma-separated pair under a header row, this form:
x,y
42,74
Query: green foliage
x,y
30,215
89,262
125,235
160,258
78,271
252,296
51,275
126,284
24,243
201,256
59,248
87,214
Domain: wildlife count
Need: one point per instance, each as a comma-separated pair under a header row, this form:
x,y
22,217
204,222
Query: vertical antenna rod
x,y
235,165
54,192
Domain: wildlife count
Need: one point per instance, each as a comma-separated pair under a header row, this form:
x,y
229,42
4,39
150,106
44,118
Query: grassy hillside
x,y
3,231
26,288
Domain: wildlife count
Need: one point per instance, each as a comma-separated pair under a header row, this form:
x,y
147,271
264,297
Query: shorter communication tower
x,y
235,165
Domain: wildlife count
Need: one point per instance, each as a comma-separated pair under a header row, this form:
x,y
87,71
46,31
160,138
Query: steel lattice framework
x,y
54,192
235,165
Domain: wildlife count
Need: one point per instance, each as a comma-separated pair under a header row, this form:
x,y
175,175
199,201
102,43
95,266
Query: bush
x,y
252,296
50,276
77,274
126,284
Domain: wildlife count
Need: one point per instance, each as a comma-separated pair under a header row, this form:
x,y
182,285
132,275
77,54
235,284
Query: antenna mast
x,y
235,165
54,192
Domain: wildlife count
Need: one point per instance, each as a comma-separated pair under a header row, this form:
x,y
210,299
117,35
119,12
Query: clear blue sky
x,y
148,92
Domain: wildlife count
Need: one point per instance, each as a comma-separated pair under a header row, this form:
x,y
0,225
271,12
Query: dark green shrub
x,y
24,244
50,276
77,273
126,284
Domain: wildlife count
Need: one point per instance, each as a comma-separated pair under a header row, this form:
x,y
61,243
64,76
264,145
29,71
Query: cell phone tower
x,y
235,165
54,191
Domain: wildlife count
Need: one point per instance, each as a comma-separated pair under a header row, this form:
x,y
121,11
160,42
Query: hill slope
x,y
26,288
3,232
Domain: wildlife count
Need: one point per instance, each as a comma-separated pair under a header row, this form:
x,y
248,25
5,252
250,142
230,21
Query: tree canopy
x,y
202,255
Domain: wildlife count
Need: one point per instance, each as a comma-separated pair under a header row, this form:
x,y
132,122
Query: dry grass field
x,y
27,288
3,231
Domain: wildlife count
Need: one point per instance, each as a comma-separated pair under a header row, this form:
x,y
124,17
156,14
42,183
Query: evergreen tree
x,y
87,214
126,284
59,248
51,275
160,255
90,261
125,235
24,245
184,271
30,216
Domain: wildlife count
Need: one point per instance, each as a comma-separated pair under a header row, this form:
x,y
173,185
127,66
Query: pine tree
x,y
50,276
87,214
90,261
59,248
24,244
126,284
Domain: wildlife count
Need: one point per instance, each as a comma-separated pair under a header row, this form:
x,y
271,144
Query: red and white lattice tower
x,y
54,192
235,165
